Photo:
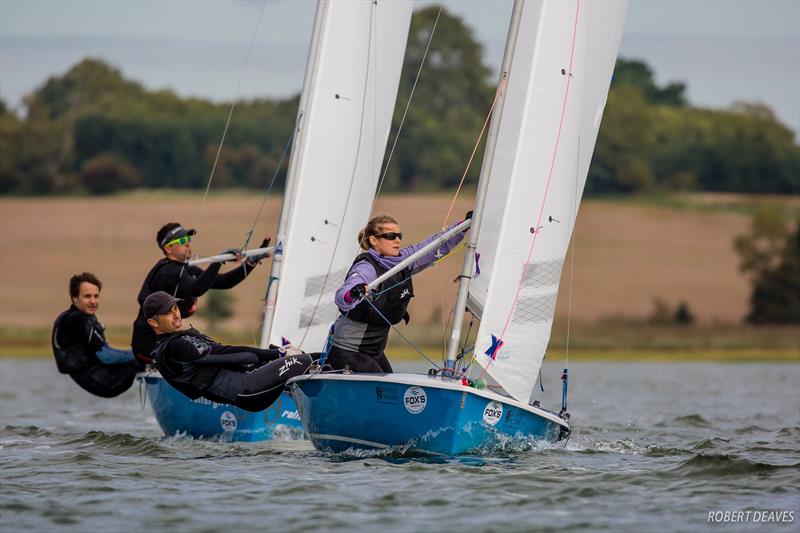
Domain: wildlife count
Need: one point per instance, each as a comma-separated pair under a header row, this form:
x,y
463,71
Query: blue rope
x,y
328,345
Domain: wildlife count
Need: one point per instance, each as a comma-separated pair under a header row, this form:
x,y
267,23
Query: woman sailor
x,y
362,329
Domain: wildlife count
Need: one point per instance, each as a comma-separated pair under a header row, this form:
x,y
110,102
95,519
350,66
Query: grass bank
x,y
619,340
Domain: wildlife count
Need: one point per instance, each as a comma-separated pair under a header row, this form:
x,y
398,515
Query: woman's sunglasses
x,y
180,240
391,236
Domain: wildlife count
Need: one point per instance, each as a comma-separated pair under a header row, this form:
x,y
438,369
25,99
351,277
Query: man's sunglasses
x,y
391,236
180,240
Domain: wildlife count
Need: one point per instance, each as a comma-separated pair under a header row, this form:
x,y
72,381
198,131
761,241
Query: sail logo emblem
x,y
415,400
493,413
228,421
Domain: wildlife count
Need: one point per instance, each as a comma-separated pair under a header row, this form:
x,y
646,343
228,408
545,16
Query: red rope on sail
x,y
546,189
500,87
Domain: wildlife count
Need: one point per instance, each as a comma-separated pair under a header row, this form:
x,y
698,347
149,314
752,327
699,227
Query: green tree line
x,y
92,130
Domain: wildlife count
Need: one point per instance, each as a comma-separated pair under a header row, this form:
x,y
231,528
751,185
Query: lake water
x,y
655,447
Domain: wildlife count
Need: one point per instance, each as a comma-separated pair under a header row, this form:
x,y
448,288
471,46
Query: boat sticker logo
x,y
415,400
386,394
493,413
291,415
228,421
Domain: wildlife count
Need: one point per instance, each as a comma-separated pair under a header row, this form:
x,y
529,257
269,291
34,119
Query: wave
x,y
709,444
117,442
693,420
26,431
702,465
788,432
751,429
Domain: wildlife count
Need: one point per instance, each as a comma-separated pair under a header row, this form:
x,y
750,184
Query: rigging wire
x,y
230,113
546,189
414,346
408,102
269,187
572,252
224,134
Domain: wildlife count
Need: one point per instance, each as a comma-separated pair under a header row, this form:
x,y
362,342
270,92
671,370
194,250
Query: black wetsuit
x,y
76,339
191,282
249,378
360,334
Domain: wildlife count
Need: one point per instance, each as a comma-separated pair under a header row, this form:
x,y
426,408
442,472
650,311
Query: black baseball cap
x,y
175,233
158,303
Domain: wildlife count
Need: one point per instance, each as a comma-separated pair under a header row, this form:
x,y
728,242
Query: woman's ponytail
x,y
373,228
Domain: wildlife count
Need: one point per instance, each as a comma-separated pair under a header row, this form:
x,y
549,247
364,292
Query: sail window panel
x,y
543,274
535,309
324,284
312,315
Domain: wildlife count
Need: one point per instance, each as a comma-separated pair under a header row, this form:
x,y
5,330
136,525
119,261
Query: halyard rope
x,y
500,88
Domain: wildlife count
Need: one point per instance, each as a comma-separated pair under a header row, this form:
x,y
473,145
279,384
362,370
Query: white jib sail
x,y
345,126
537,179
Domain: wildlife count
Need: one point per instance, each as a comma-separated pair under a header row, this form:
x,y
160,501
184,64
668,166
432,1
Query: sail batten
x,y
563,60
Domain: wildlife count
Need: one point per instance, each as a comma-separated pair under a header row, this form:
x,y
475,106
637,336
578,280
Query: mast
x,y
483,185
291,179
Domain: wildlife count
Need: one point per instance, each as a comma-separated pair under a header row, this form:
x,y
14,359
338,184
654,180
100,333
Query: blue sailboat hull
x,y
409,412
177,414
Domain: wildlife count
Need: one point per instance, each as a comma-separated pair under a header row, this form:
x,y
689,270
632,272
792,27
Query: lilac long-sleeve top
x,y
364,272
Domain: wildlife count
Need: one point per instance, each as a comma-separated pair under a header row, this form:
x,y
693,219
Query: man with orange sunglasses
x,y
174,276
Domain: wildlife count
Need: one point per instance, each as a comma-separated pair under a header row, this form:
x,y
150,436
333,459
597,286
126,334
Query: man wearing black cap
x,y
173,275
196,365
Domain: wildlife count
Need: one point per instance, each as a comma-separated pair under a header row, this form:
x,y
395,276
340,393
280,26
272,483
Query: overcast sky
x,y
725,50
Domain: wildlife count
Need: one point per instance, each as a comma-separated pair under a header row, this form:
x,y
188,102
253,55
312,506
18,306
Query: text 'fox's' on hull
x,y
415,413
177,414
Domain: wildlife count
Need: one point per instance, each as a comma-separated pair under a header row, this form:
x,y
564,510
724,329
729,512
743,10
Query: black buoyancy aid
x,y
192,380
187,305
393,303
71,359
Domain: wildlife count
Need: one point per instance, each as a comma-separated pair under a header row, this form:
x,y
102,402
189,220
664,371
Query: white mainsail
x,y
344,120
557,88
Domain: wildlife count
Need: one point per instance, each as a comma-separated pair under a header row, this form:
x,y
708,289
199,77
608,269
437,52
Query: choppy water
x,y
655,447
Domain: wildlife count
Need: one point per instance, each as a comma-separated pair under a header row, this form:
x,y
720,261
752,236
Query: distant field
x,y
627,254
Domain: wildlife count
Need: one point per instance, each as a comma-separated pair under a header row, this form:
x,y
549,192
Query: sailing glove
x,y
358,292
468,216
254,260
234,251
